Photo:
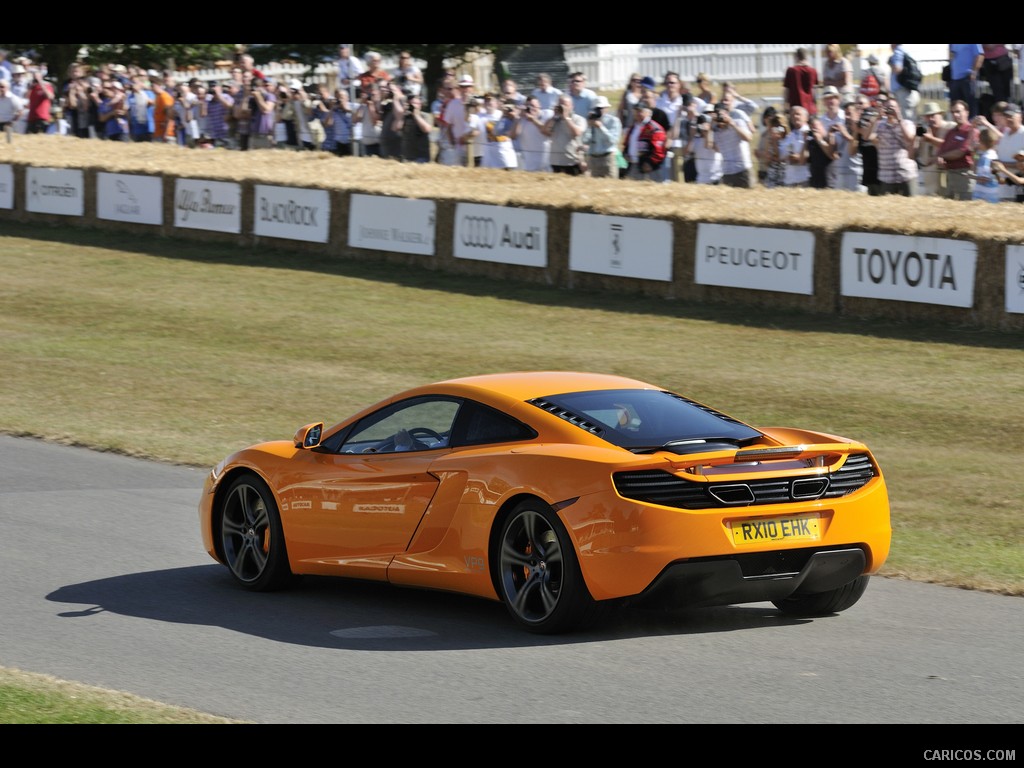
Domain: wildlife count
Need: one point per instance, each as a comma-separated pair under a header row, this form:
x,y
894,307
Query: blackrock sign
x,y
292,213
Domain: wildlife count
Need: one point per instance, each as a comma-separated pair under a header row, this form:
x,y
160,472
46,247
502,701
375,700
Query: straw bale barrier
x,y
997,231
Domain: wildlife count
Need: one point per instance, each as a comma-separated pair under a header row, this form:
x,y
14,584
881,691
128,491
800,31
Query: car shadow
x,y
352,614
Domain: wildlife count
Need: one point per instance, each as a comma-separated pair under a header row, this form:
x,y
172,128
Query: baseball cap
x,y
295,84
647,82
872,59
1011,108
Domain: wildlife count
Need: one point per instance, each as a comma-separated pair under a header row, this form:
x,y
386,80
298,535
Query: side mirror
x,y
309,435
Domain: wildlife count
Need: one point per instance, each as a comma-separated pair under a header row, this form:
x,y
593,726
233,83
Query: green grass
x,y
183,352
29,699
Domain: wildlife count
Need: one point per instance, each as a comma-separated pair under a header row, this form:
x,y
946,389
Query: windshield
x,y
646,418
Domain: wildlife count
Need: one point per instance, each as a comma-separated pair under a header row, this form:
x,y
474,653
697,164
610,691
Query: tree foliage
x,y
58,56
160,56
435,55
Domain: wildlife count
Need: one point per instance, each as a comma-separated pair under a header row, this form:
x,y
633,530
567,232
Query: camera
x,y
866,117
702,120
720,111
596,114
921,130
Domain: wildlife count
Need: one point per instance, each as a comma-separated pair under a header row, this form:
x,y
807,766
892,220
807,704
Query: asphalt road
x,y
105,582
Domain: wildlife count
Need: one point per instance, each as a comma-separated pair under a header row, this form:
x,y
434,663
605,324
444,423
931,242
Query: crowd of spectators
x,y
828,132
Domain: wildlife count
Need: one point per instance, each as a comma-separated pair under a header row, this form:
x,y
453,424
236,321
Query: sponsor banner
x,y
137,199
395,224
210,205
928,270
617,245
1015,278
55,190
6,186
292,213
757,258
504,235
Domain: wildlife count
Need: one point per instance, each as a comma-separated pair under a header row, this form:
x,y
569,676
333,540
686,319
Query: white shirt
x,y
794,144
708,162
455,116
10,106
549,98
350,68
1009,145
671,109
534,145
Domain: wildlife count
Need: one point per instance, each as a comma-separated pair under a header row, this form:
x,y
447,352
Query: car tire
x,y
252,538
539,577
822,603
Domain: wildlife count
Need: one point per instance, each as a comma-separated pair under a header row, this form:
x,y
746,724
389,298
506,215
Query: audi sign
x,y
500,234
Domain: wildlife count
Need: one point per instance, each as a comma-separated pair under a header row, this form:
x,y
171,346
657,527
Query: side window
x,y
478,424
420,424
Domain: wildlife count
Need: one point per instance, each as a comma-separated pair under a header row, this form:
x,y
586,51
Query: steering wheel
x,y
425,431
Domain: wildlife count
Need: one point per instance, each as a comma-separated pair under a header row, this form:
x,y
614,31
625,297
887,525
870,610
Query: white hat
x,y
17,69
465,80
830,90
602,103
295,84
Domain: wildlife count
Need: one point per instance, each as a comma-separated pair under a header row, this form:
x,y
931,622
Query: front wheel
x,y
539,574
822,603
252,537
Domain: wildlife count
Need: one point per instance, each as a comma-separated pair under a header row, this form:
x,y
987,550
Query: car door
x,y
365,501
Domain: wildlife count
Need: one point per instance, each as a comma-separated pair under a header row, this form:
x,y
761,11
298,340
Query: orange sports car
x,y
559,494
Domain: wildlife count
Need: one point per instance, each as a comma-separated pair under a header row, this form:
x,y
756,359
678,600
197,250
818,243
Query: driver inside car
x,y
405,442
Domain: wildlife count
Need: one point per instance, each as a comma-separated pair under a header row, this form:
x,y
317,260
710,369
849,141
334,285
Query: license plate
x,y
792,528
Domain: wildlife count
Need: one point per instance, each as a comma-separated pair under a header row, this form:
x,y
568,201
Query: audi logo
x,y
479,232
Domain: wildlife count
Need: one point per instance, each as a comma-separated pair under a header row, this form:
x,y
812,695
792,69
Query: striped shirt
x,y
217,116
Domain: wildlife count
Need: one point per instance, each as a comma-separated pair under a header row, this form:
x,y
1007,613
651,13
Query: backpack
x,y
870,86
910,76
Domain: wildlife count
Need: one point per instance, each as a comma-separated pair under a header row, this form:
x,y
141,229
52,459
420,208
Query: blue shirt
x,y
896,60
962,63
135,114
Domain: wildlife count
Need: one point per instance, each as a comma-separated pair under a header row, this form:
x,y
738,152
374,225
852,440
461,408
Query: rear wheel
x,y
539,574
252,537
821,603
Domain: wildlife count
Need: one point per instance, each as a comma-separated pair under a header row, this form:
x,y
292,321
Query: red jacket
x,y
650,145
40,97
